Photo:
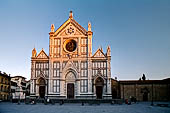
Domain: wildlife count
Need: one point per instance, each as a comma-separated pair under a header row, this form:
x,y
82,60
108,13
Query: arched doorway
x,y
145,96
99,87
70,81
41,83
70,90
145,92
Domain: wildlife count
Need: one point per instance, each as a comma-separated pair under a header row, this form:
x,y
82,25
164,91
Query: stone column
x,y
37,90
50,76
79,46
61,87
61,47
78,87
108,76
90,76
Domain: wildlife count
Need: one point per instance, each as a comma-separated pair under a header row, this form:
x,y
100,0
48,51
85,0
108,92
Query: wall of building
x,y
4,86
158,90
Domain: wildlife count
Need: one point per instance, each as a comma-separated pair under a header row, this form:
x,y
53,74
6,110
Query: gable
x,y
42,54
99,54
70,28
70,64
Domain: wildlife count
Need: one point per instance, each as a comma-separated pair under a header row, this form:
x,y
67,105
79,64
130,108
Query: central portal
x,y
70,91
70,81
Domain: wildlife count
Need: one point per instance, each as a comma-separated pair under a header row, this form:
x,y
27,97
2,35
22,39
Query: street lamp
x,y
152,95
19,96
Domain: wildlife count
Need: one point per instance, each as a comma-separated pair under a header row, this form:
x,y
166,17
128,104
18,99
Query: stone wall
x,y
142,90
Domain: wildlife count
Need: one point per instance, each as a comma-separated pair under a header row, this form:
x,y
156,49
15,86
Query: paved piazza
x,y
6,107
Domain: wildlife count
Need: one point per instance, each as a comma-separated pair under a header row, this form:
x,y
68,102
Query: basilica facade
x,y
70,70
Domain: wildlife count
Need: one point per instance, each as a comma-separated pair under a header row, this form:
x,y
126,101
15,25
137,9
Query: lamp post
x,y
152,95
19,96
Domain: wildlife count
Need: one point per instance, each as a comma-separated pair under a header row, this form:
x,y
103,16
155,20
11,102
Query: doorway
x,y
145,96
42,91
41,83
99,88
70,91
99,91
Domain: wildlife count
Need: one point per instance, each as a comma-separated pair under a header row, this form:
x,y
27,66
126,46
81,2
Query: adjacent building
x,y
142,90
70,70
4,86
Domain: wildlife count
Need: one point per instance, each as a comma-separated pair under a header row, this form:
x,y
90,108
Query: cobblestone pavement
x,y
7,107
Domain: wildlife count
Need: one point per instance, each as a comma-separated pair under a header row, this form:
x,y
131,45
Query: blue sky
x,y
138,32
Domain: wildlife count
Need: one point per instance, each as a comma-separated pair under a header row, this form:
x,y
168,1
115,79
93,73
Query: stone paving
x,y
7,107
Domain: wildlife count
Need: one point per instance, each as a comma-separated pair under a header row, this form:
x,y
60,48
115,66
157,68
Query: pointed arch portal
x,y
41,83
70,79
99,87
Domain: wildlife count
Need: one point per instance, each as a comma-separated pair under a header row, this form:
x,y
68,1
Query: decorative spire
x,y
101,48
52,27
108,51
89,26
34,53
71,15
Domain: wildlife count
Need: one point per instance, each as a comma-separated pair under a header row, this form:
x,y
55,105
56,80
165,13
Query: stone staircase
x,y
83,101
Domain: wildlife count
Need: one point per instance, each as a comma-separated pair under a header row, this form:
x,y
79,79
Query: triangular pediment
x,y
42,54
70,64
70,28
99,54
65,32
